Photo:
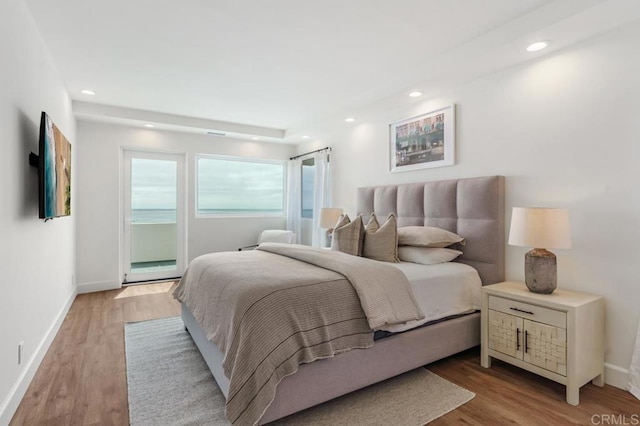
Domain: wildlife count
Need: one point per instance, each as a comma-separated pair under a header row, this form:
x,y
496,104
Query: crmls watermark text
x,y
615,419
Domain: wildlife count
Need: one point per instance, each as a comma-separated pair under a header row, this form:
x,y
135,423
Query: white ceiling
x,y
279,64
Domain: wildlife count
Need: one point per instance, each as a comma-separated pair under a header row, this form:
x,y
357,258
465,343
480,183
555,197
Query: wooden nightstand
x,y
559,336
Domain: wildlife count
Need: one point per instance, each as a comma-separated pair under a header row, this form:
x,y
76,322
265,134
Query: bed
x,y
471,207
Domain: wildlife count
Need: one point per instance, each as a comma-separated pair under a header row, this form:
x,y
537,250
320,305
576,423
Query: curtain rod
x,y
326,148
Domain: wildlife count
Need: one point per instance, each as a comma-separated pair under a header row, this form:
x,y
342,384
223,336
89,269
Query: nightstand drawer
x,y
532,312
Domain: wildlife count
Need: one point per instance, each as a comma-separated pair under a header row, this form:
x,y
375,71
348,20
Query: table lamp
x,y
329,217
540,228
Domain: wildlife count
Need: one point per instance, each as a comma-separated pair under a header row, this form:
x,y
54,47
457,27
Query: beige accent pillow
x,y
381,242
347,236
427,255
427,236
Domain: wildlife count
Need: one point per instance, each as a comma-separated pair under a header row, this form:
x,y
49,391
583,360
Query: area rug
x,y
170,384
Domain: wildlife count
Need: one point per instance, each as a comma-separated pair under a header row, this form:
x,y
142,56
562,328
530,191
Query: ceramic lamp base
x,y
540,271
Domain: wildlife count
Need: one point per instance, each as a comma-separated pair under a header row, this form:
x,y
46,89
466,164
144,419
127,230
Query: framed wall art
x,y
422,142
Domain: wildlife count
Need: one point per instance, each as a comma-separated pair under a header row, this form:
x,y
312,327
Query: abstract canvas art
x,y
57,170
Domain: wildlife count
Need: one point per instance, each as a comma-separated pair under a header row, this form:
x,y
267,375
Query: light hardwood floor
x,y
82,380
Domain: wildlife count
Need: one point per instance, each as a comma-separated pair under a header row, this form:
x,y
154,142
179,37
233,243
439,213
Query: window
x,y
237,186
308,179
308,187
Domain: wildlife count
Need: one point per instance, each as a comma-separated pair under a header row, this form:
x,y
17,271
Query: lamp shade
x,y
540,228
329,217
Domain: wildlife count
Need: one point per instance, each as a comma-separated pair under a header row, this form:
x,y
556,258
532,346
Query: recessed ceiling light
x,y
415,94
538,45
255,139
149,125
305,137
88,92
349,119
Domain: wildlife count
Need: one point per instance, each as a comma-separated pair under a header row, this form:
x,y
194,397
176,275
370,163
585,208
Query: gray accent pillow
x,y
381,242
347,236
427,236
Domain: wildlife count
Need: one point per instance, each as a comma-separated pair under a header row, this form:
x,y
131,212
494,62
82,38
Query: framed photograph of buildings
x,y
424,141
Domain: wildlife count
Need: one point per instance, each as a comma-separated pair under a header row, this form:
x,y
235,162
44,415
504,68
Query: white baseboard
x,y
98,286
11,403
634,391
616,376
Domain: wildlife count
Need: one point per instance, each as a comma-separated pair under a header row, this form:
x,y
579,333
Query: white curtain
x,y
321,196
634,370
294,198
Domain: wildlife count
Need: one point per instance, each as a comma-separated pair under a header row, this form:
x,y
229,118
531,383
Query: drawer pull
x,y
520,310
517,339
526,343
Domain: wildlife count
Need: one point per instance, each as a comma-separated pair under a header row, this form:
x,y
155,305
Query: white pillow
x,y
427,236
427,255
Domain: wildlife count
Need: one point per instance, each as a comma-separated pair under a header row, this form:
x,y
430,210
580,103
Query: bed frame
x,y
473,208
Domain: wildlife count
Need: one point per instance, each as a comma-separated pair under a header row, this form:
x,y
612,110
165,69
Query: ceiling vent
x,y
212,133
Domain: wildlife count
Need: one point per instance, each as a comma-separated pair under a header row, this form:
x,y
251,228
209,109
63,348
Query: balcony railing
x,y
153,246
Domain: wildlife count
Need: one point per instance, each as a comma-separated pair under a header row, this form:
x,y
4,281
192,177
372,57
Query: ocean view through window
x,y
229,186
153,191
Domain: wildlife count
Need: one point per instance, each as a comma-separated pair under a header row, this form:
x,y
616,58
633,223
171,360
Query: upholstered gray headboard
x,y
472,208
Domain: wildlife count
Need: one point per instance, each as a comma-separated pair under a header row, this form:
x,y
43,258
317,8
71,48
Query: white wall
x,y
36,258
98,179
564,130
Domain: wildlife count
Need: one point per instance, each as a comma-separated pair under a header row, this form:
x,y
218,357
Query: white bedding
x,y
441,290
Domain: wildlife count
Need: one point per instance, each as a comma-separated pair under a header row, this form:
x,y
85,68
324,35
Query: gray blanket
x,y
385,294
268,313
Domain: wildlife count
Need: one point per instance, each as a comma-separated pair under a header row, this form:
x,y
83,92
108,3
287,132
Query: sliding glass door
x,y
153,216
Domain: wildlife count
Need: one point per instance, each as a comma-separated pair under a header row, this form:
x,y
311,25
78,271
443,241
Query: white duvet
x,y
440,290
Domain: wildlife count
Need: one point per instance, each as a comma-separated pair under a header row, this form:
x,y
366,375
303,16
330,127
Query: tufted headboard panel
x,y
472,208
